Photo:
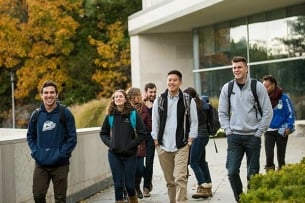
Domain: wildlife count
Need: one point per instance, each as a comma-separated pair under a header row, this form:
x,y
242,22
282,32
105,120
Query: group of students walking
x,y
174,125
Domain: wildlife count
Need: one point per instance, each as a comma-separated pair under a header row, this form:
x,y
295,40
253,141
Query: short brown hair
x,y
239,59
150,85
47,84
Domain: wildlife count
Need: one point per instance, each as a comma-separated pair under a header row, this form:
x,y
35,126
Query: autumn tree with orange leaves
x,y
82,45
50,29
114,60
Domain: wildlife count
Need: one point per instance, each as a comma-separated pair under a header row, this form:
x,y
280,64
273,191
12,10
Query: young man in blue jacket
x,y
51,137
282,123
243,123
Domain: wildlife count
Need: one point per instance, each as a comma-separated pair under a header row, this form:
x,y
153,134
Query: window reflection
x,y
272,41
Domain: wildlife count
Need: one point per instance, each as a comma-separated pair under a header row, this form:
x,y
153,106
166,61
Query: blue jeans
x,y
238,145
198,160
123,171
149,162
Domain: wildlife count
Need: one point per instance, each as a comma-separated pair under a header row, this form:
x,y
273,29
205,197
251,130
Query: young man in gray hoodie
x,y
243,122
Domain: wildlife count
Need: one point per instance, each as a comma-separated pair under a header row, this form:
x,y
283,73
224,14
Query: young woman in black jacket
x,y
122,139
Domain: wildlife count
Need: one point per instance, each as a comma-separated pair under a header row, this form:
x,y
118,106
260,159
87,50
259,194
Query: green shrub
x,y
285,185
90,114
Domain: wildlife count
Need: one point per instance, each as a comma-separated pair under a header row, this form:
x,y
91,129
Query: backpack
x,y
253,89
132,118
62,117
213,124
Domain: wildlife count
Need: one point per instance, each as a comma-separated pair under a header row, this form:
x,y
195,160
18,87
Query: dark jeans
x,y
273,138
238,145
123,171
140,167
149,162
41,181
198,160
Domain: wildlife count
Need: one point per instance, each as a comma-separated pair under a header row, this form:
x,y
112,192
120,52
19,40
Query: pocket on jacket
x,y
47,157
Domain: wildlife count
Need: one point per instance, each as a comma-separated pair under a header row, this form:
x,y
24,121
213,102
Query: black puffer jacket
x,y
121,138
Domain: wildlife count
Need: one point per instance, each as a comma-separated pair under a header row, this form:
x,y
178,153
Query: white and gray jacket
x,y
243,117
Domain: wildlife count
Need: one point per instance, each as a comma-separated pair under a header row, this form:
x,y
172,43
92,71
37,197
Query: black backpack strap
x,y
33,120
62,114
253,89
34,116
230,89
62,118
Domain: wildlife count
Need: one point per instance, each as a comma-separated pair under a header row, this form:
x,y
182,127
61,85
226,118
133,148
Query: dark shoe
x,y
146,192
139,193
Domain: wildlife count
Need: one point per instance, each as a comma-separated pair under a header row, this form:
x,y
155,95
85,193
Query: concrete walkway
x,y
221,187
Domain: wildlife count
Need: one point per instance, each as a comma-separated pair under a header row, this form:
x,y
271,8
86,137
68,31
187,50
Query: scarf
x,y
275,95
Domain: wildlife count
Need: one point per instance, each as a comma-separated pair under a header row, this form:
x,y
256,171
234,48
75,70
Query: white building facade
x,y
200,37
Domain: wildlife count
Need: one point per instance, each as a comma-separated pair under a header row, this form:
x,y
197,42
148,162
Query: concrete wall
x,y
89,169
159,54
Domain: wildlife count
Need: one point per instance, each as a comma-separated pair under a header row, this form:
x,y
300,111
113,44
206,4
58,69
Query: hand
x,y
156,142
287,132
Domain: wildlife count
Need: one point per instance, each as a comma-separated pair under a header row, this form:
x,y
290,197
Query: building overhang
x,y
183,16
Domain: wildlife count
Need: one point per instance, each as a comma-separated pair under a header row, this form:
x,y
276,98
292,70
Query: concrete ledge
x,y
299,128
89,168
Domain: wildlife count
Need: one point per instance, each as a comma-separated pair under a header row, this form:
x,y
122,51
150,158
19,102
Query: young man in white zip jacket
x,y
243,124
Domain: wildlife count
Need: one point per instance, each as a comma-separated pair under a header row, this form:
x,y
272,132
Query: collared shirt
x,y
169,136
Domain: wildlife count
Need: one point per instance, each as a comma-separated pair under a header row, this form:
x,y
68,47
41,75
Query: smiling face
x,y
151,94
173,84
119,99
240,71
49,97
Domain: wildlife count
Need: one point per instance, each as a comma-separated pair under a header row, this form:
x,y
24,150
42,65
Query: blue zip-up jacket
x,y
51,143
283,114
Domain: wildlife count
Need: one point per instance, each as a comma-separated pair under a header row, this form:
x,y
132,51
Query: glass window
x,y
272,41
219,43
289,76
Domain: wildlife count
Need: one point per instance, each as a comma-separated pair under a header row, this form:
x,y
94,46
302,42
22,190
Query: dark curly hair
x,y
192,92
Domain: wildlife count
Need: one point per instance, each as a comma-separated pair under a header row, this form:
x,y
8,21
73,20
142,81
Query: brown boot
x,y
133,199
201,192
208,186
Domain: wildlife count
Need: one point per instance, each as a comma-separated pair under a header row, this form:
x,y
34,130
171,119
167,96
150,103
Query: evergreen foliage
x,y
285,185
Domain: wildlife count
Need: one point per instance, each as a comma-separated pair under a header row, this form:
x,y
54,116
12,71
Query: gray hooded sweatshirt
x,y
243,118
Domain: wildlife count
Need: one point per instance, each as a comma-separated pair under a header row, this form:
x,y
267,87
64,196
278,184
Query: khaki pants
x,y
41,182
174,166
